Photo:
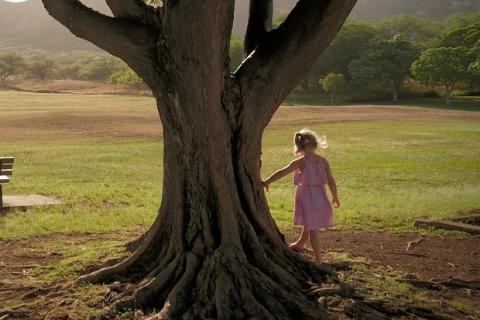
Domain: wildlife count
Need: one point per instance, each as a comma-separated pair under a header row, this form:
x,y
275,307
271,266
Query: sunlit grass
x,y
389,173
105,185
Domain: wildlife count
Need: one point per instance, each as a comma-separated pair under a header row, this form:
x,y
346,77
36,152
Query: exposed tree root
x,y
253,277
135,244
382,310
438,284
412,244
343,290
224,286
39,291
5,314
360,311
227,283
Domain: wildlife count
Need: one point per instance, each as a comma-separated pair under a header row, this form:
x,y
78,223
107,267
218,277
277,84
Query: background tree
x,y
474,68
333,83
41,67
128,78
115,79
457,21
214,250
11,64
442,66
418,30
349,45
466,36
100,68
385,62
474,73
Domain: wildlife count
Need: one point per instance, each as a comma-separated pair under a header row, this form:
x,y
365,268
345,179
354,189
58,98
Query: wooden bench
x,y
6,171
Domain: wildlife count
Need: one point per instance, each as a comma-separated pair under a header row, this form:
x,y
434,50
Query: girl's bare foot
x,y
296,247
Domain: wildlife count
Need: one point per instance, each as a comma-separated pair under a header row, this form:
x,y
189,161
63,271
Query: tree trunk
x,y
214,250
332,98
448,95
395,90
211,253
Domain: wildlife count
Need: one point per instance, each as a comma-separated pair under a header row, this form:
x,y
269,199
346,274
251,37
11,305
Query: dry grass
x,y
108,116
70,86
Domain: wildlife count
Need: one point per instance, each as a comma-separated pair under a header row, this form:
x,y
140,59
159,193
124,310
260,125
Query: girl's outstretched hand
x,y
265,185
336,203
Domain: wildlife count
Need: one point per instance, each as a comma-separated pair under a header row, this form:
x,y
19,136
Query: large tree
x,y
214,251
445,67
11,64
333,83
385,63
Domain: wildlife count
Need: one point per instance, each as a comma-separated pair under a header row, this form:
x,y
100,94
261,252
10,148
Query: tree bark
x,y
214,250
259,23
395,90
448,94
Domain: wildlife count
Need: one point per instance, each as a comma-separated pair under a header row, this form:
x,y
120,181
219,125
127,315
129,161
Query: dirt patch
x,y
21,283
77,125
434,257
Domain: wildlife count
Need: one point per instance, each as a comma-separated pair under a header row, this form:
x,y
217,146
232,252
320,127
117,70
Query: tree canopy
x,y
11,64
385,63
442,66
466,36
332,84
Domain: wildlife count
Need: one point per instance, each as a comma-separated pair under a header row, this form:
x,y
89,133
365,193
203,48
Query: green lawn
x,y
388,173
463,103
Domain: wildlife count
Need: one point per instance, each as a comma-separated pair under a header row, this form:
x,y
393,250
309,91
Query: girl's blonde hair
x,y
305,139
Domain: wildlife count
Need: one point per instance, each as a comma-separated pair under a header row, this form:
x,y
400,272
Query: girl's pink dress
x,y
312,206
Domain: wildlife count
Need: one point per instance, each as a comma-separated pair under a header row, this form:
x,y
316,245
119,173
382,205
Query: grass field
x,y
465,103
102,156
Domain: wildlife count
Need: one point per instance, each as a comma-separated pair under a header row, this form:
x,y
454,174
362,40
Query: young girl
x,y
311,173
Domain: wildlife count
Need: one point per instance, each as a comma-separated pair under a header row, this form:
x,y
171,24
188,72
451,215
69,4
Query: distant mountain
x,y
437,9
28,24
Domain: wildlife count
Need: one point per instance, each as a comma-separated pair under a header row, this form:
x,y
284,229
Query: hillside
x,y
27,24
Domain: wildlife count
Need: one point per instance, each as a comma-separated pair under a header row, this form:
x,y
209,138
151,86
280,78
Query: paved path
x,y
28,201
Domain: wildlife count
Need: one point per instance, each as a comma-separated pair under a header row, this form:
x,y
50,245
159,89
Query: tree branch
x,y
136,9
259,23
285,54
127,8
125,38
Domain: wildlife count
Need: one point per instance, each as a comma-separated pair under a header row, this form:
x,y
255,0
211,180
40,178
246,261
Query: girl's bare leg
x,y
315,241
300,243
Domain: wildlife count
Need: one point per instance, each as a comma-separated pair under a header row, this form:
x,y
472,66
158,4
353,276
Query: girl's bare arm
x,y
332,185
282,172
